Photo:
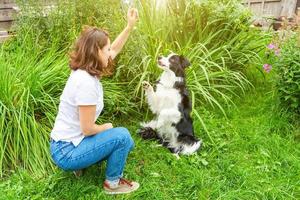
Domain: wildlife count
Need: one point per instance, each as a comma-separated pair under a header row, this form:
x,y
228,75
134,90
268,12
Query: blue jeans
x,y
112,145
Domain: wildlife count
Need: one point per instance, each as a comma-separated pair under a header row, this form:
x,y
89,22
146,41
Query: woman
x,y
76,141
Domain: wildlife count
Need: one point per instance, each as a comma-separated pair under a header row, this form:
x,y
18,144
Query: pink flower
x,y
267,68
271,46
275,48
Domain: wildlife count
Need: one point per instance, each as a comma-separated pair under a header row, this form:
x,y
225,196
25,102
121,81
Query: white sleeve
x,y
86,94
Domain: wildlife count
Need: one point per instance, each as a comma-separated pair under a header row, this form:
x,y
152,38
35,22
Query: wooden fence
x,y
8,10
273,8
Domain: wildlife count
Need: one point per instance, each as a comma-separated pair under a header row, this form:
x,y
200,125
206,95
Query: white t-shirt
x,y
81,89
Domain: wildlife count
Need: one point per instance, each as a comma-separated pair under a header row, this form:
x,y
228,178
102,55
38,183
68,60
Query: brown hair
x,y
85,54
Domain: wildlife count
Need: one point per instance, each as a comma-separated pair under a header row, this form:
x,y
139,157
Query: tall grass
x,y
216,37
33,66
29,91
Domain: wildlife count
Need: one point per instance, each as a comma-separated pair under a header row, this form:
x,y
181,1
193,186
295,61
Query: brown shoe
x,y
124,187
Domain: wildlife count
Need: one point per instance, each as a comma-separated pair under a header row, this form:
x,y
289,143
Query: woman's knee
x,y
125,137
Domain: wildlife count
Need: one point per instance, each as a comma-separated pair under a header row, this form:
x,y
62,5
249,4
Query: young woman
x,y
76,141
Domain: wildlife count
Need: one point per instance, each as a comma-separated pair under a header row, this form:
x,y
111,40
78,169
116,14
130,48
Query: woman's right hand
x,y
107,126
132,17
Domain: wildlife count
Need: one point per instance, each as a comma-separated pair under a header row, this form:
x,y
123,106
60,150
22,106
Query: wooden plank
x,y
6,25
7,15
256,9
288,8
298,17
8,5
3,38
267,8
273,9
3,32
7,1
260,1
262,11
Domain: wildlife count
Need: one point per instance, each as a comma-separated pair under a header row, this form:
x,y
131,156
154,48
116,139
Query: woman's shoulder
x,y
82,75
82,79
81,72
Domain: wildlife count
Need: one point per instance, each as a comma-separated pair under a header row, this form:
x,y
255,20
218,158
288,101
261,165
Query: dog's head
x,y
174,62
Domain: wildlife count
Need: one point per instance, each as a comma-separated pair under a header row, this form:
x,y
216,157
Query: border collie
x,y
173,125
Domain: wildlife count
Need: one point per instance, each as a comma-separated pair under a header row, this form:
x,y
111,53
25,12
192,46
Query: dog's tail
x,y
147,133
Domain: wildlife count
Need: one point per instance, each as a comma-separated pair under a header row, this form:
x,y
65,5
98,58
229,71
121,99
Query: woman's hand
x,y
132,17
107,126
87,123
117,45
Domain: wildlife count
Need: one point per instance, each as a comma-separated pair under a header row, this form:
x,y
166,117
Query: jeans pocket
x,y
66,148
60,151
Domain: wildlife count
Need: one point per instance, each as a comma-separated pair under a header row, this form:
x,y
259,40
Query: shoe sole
x,y
113,192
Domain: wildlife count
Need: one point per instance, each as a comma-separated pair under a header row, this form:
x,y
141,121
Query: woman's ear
x,y
102,59
100,53
184,62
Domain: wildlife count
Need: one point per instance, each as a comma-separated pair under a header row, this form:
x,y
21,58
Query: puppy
x,y
173,125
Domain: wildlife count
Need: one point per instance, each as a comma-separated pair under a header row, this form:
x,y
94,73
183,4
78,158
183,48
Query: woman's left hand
x,y
132,17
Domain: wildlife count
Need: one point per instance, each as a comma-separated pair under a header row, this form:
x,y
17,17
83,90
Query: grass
x,y
256,155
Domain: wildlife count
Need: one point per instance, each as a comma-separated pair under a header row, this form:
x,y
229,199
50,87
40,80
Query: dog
x,y
172,125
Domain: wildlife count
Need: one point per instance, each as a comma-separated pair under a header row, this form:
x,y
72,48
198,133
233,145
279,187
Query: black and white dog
x,y
173,125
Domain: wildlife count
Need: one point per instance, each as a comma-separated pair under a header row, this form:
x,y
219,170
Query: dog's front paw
x,y
146,85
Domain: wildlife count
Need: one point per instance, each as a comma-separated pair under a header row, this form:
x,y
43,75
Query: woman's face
x,y
105,53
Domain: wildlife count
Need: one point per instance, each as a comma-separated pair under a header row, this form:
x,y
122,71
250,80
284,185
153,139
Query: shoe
x,y
124,187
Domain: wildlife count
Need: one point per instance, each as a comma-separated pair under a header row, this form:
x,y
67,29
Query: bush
x,y
288,75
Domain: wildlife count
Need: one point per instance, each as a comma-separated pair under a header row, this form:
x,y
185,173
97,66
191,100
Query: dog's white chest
x,y
167,97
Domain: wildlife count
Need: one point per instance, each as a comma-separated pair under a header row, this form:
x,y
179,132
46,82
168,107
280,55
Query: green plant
x,y
282,57
215,37
28,97
288,75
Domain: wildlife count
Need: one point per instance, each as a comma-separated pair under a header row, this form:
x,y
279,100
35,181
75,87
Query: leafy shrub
x,y
288,75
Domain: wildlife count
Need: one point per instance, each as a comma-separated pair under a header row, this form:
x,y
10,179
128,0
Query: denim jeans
x,y
112,145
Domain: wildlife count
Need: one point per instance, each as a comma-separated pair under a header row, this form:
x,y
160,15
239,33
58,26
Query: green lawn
x,y
254,155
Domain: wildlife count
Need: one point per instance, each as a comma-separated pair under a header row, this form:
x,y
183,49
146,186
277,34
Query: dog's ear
x,y
184,62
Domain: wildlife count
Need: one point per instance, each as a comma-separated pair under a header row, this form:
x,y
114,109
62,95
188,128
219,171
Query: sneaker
x,y
124,187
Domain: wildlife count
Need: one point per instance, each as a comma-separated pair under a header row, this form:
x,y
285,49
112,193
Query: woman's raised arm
x,y
118,43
